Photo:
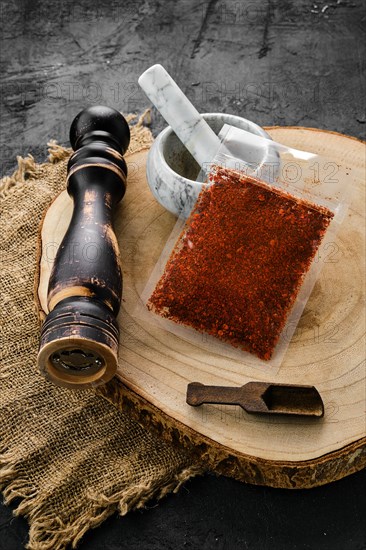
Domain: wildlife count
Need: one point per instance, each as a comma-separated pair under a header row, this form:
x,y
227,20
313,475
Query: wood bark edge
x,y
221,460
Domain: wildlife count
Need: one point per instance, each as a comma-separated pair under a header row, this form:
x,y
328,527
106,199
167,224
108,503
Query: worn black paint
x,y
92,280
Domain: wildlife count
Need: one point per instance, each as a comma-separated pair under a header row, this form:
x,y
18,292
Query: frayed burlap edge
x,y
48,531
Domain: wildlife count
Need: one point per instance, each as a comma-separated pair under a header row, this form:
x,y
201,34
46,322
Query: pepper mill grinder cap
x,y
103,121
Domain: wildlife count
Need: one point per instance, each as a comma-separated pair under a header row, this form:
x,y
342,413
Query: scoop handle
x,y
190,127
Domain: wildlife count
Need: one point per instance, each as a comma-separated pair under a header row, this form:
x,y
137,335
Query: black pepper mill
x,y
79,338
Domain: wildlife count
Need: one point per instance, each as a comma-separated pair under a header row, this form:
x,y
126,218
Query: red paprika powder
x,y
237,266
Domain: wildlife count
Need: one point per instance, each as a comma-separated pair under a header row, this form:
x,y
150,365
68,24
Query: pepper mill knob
x,y
80,335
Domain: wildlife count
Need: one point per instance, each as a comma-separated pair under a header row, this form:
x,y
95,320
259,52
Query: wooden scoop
x,y
260,398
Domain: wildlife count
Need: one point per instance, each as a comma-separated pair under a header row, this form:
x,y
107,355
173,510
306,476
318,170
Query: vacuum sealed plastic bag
x,y
236,275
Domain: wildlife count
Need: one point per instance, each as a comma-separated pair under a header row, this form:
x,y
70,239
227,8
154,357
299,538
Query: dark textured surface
x,y
285,63
222,514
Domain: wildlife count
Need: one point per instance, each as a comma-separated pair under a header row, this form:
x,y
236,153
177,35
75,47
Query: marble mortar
x,y
172,171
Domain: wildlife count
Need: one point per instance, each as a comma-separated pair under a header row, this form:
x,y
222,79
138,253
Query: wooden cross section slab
x,y
327,350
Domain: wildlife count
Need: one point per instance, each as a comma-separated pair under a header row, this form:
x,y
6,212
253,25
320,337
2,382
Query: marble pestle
x,y
190,127
228,139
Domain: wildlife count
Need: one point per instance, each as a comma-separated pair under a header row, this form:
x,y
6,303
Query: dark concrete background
x,y
290,62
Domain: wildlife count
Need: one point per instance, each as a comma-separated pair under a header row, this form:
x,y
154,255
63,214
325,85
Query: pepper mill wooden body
x,y
80,335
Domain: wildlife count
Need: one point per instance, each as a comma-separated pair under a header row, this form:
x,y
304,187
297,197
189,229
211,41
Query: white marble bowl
x,y
172,171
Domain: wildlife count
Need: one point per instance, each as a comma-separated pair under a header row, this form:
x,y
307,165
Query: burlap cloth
x,y
70,459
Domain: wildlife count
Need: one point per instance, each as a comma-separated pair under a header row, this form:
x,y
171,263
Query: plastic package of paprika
x,y
235,276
